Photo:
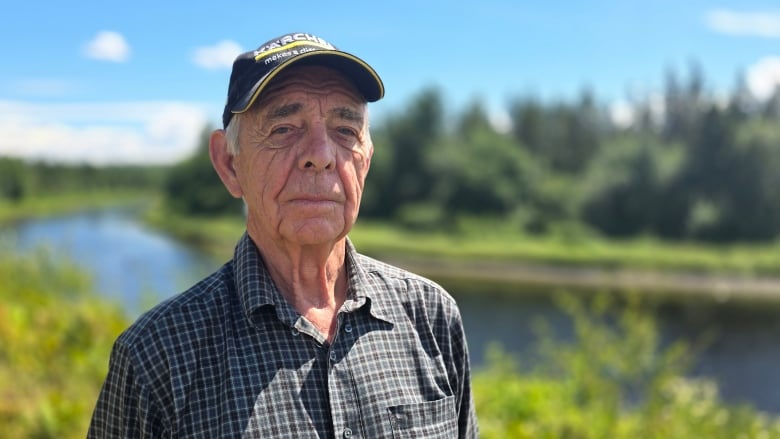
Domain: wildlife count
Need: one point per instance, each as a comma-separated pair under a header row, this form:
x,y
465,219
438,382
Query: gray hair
x,y
231,134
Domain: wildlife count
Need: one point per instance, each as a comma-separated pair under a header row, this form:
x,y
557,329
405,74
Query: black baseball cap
x,y
253,70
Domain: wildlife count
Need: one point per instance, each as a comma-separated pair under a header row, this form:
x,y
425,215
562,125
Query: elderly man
x,y
298,335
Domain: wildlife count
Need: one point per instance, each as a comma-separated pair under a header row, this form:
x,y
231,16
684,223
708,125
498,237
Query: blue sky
x,y
109,82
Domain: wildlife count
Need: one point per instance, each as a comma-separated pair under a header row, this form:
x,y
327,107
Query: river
x,y
140,266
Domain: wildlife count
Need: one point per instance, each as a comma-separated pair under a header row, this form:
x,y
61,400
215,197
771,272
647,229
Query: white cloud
x,y
101,133
760,24
501,121
622,114
763,77
108,46
41,87
218,56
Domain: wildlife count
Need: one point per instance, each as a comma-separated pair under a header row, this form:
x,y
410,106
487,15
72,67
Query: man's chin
x,y
315,232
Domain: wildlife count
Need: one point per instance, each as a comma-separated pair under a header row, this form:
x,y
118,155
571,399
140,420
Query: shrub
x,y
55,339
613,381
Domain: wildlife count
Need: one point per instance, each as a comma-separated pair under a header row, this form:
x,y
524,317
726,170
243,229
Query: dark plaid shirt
x,y
231,358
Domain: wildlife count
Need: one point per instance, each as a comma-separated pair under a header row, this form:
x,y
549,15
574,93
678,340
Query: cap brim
x,y
363,75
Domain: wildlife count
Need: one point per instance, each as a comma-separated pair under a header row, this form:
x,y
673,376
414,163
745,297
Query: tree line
x,y
700,168
690,165
20,180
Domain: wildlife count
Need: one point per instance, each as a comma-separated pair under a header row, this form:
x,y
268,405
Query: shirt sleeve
x,y
467,416
124,407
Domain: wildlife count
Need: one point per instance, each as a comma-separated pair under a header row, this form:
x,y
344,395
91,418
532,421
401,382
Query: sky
x,y
107,82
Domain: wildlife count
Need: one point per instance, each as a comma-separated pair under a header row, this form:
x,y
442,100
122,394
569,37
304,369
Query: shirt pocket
x,y
431,419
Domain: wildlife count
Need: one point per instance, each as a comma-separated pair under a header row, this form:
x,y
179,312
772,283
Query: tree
x,y
194,188
479,171
402,178
564,137
15,179
624,185
749,199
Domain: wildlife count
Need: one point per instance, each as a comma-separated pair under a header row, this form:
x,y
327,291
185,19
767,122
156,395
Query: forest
x,y
688,165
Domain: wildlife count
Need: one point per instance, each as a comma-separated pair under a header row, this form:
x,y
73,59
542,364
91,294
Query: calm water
x,y
140,266
126,260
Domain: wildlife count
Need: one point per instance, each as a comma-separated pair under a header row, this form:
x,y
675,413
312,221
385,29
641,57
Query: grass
x,y
589,251
218,235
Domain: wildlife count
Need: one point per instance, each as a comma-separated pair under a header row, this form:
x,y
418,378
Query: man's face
x,y
304,155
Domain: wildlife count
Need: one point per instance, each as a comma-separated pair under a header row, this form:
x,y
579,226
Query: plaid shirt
x,y
231,358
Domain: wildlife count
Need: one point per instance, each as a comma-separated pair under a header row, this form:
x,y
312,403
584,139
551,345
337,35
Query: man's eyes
x,y
347,131
281,130
344,131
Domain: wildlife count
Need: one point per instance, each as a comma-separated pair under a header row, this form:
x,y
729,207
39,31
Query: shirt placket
x,y
345,407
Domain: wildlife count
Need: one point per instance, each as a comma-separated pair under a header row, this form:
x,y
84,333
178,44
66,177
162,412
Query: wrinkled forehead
x,y
315,81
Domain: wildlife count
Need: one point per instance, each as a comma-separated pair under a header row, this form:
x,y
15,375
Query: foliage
x,y
54,344
625,187
693,170
613,380
14,180
192,187
21,181
480,172
403,177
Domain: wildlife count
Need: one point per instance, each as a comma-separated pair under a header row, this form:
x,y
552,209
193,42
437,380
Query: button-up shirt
x,y
231,358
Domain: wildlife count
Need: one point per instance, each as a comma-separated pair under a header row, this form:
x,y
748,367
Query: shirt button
x,y
333,358
347,432
348,328
295,332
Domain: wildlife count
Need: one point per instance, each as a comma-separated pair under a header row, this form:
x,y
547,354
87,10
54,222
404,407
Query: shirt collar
x,y
362,290
256,289
254,285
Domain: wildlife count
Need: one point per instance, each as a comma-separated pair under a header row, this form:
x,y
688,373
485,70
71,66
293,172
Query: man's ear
x,y
223,163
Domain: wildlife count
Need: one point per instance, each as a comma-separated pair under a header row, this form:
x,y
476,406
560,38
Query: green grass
x,y
584,251
218,236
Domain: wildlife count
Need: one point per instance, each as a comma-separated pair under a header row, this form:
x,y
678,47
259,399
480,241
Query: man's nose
x,y
318,149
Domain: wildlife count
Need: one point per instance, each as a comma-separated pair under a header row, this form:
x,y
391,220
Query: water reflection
x,y
126,260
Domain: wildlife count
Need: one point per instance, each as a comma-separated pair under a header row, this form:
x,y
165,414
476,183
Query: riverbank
x,y
516,262
489,255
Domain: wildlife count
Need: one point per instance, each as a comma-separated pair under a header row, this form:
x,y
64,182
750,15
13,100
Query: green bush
x,y
55,338
613,381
